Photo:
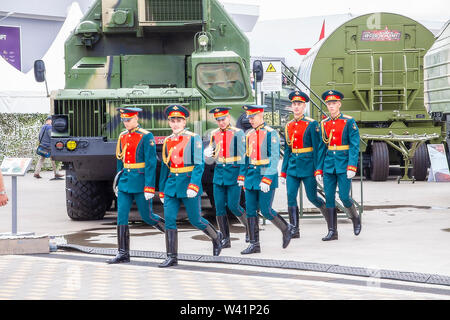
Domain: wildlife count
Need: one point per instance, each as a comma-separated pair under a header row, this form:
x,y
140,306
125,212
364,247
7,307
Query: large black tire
x,y
379,161
420,163
86,200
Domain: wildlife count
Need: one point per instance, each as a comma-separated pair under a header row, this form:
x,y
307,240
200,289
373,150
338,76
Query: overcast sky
x,y
415,9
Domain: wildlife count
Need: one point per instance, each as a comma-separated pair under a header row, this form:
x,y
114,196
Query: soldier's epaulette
x,y
268,128
309,119
326,119
143,131
346,116
249,132
214,131
235,129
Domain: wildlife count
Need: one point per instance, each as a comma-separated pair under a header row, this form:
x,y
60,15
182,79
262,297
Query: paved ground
x,y
406,227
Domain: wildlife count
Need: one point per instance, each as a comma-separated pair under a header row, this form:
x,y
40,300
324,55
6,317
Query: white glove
x,y
240,183
264,187
319,179
148,195
116,191
191,193
162,200
350,174
208,152
283,180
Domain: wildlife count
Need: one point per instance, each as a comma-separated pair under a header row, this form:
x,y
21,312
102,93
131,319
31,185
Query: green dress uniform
x,y
136,170
229,154
300,161
261,162
338,154
182,170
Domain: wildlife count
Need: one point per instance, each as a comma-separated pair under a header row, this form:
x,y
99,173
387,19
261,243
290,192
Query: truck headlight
x,y
59,145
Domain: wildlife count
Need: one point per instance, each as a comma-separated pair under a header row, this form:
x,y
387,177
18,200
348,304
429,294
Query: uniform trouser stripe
x,y
227,196
145,207
193,210
256,199
310,184
330,182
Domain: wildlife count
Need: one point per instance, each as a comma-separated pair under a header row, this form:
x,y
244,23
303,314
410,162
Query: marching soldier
x,y
338,161
260,178
181,181
227,147
136,170
300,159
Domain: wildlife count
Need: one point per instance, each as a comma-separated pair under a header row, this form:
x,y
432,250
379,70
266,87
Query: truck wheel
x,y
85,200
420,163
379,161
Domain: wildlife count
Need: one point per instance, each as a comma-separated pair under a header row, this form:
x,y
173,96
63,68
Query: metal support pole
x,y
14,205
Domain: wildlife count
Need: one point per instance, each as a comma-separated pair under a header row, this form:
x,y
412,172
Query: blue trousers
x,y
330,182
124,203
255,199
172,206
310,184
227,196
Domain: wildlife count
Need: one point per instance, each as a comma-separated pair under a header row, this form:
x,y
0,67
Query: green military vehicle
x,y
437,79
145,53
376,61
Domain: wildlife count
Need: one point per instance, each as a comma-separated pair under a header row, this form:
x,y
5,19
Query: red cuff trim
x,y
318,172
193,187
149,189
283,175
161,195
241,178
352,168
266,181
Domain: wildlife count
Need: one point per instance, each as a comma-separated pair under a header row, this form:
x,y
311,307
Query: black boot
x,y
332,225
324,211
123,240
161,225
354,216
286,229
253,231
222,222
243,219
294,221
216,237
171,249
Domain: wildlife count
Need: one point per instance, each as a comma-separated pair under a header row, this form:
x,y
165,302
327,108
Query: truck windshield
x,y
221,80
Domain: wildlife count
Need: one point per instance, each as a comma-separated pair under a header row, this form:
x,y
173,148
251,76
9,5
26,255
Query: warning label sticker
x,y
271,68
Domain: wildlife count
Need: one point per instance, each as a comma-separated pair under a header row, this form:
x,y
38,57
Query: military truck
x,y
149,54
376,61
437,79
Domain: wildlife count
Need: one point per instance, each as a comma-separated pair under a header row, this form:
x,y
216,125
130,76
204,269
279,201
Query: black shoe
x,y
161,225
243,219
356,219
332,225
216,237
286,229
222,222
253,229
123,239
294,221
171,249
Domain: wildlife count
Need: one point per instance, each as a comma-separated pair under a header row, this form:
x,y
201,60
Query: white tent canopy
x,y
19,92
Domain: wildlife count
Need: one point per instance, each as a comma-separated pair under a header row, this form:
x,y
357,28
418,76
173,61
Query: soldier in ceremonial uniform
x,y
136,170
300,158
227,147
260,177
181,181
338,161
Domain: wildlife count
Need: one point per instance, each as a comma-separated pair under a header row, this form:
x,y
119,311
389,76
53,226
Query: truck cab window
x,y
221,80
